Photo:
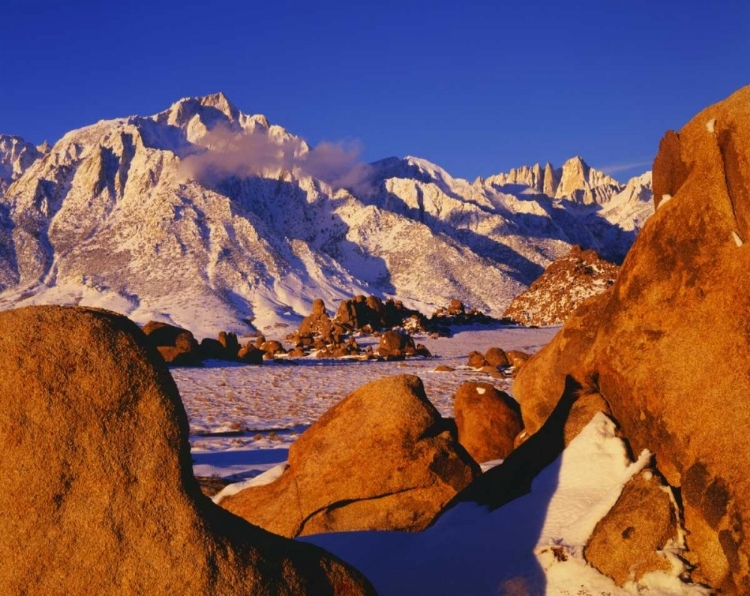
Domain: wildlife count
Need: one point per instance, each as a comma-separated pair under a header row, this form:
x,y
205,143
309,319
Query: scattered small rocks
x,y
456,313
497,361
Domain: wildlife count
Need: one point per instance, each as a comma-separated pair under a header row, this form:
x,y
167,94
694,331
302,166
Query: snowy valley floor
x,y
243,420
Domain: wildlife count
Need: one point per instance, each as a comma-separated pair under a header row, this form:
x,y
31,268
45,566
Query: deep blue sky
x,y
476,87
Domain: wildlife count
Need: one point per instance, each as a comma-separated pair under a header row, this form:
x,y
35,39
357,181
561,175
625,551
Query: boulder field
x,y
96,483
667,348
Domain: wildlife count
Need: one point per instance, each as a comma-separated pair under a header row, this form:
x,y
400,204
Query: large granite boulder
x,y
381,459
496,357
488,420
96,485
395,344
669,343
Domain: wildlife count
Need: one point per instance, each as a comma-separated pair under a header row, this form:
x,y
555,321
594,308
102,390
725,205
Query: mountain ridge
x,y
207,217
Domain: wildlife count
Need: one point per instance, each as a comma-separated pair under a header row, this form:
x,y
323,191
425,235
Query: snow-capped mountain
x,y
209,218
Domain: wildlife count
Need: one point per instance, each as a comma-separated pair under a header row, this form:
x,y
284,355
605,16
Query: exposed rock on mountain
x,y
563,286
583,184
575,181
16,156
408,466
682,287
250,223
543,181
96,481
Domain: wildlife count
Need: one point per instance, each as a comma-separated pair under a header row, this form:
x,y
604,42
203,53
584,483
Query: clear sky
x,y
476,87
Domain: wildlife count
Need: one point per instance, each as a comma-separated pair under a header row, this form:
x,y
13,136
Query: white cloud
x,y
621,167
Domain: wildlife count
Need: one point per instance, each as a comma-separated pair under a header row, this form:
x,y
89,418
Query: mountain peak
x,y
192,217
209,109
220,102
575,180
16,156
584,184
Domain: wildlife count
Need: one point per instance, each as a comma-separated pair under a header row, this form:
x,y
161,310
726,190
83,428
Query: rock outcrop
x,y
563,286
682,290
317,322
456,313
381,459
225,347
176,345
96,486
575,181
583,184
488,421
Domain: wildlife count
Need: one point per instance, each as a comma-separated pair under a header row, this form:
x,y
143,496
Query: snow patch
x,y
266,477
711,125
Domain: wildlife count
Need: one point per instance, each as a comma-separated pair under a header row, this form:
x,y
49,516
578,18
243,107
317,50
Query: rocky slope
x,y
209,218
563,286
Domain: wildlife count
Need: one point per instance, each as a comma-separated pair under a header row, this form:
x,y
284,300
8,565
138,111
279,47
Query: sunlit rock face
x,y
667,345
96,481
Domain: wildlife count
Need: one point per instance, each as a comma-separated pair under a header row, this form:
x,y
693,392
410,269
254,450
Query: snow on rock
x,y
533,545
563,286
16,156
267,477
